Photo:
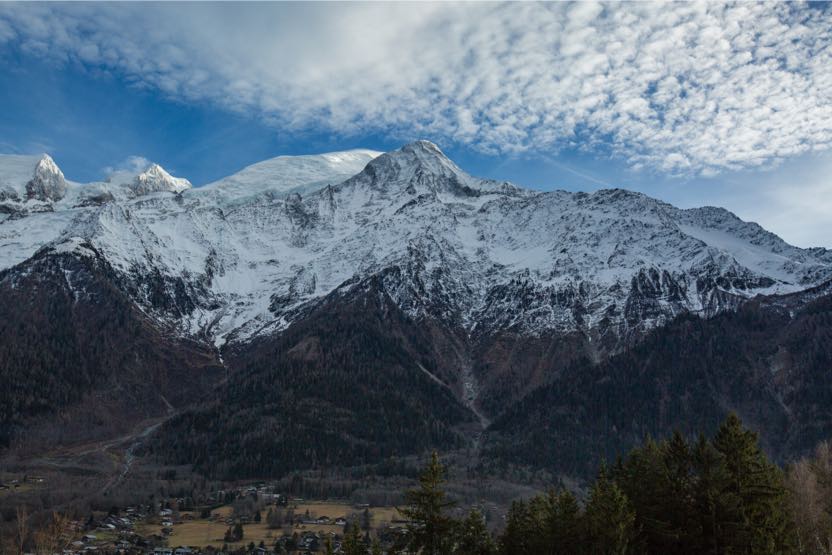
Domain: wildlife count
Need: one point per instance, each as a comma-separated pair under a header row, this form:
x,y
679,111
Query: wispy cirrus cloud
x,y
678,88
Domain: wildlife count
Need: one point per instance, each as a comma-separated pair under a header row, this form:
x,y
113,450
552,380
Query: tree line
x,y
718,496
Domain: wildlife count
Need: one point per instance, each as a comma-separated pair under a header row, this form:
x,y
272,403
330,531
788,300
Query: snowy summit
x,y
249,253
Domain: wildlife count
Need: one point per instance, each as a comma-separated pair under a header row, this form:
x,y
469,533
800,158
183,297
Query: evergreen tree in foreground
x,y
473,537
562,525
610,518
430,529
711,497
353,541
755,509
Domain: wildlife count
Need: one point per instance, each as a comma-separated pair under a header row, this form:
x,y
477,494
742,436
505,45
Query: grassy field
x,y
336,510
202,532
21,486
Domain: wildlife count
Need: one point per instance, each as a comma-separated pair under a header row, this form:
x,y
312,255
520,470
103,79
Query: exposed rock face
x,y
48,183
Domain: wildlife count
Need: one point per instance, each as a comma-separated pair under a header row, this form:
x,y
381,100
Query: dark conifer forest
x,y
702,495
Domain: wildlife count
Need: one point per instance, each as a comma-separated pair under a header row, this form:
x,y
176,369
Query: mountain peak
x,y
423,145
428,155
155,179
47,165
47,183
414,163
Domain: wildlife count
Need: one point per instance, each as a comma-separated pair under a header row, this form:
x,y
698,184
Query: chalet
x,y
162,551
340,521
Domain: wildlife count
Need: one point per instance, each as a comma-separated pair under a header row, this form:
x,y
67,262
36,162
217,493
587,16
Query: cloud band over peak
x,y
677,88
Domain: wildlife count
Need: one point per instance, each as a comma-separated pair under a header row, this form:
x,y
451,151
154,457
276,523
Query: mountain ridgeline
x,y
346,308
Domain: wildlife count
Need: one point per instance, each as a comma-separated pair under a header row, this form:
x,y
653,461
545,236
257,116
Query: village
x,y
250,519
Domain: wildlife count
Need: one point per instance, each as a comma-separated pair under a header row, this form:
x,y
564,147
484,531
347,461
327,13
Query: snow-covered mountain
x,y
291,174
30,178
251,253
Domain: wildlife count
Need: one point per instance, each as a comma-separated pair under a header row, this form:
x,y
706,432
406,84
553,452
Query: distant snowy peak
x,y
411,161
422,168
48,183
284,175
37,178
156,180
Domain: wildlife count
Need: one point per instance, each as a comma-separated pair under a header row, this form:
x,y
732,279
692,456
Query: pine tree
x,y
353,542
709,504
430,529
610,518
640,477
519,534
473,537
561,531
755,494
677,483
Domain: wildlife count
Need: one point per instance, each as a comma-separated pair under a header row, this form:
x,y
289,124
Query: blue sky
x,y
696,104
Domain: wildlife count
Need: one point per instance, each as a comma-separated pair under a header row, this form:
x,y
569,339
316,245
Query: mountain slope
x,y
390,303
73,344
291,174
353,383
768,361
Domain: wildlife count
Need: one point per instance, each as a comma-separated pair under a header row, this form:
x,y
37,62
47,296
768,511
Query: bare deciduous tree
x,y
22,529
54,537
810,483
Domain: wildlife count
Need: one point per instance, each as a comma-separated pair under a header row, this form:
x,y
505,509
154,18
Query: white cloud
x,y
131,165
793,200
680,88
800,213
